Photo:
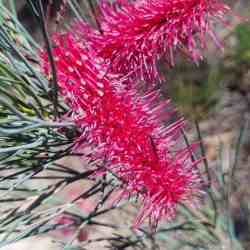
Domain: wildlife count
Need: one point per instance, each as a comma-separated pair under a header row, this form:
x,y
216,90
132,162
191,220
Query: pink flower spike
x,y
126,131
136,34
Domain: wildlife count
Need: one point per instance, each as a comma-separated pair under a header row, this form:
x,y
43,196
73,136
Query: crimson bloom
x,y
125,131
136,34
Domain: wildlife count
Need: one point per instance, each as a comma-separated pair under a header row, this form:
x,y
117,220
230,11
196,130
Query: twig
x,y
209,178
203,153
93,11
51,59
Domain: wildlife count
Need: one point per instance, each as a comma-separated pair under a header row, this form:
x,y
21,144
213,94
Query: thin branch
x,y
51,59
93,11
209,178
203,153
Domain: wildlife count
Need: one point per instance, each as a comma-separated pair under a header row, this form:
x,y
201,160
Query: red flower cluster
x,y
126,131
136,34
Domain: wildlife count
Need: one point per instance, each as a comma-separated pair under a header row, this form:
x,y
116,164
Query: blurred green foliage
x,y
194,90
242,52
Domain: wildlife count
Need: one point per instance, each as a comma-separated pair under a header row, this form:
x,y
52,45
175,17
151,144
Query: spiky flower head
x,y
134,35
125,131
